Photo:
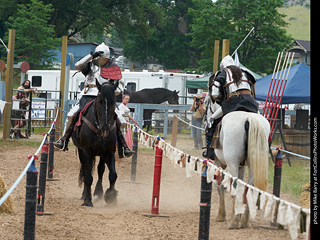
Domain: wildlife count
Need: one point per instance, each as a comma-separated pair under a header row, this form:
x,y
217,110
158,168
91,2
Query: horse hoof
x,y
245,225
220,219
233,226
87,203
110,196
99,194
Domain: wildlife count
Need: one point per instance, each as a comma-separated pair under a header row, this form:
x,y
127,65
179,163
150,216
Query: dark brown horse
x,y
152,96
97,137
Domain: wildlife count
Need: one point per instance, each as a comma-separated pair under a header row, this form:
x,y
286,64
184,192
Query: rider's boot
x,y
62,143
123,149
208,152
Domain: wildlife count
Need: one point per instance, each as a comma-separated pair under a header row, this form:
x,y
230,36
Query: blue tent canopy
x,y
297,89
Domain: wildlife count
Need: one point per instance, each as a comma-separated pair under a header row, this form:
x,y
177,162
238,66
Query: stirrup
x,y
208,153
125,152
60,144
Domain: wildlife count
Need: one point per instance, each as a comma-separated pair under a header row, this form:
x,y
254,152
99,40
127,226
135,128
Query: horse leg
x,y
88,159
82,173
245,217
98,191
234,218
222,209
111,193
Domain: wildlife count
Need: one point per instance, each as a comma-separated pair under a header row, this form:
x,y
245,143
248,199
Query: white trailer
x,y
47,83
49,80
135,81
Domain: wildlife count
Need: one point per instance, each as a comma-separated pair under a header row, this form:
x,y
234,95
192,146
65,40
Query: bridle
x,y
94,127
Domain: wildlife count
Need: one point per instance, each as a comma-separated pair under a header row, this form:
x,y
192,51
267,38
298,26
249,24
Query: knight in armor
x,y
96,65
236,94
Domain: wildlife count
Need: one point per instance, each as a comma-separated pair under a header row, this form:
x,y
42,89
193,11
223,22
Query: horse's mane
x,y
155,90
108,92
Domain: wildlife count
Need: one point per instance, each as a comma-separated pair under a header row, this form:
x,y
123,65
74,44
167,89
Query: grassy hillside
x,y
298,18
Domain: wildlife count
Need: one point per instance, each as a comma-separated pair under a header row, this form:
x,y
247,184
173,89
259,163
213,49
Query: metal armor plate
x,y
112,72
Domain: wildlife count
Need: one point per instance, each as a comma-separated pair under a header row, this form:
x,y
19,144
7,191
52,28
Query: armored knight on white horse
x,y
99,66
243,134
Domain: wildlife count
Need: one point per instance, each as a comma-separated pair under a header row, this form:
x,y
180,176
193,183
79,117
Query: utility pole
x,y
9,83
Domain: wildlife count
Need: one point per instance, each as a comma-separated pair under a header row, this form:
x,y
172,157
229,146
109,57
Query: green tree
x,y
164,37
34,36
233,19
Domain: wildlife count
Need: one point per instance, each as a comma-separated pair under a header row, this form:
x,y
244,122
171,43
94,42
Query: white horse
x,y
243,142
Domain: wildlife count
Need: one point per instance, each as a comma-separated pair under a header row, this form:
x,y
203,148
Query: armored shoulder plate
x,y
111,71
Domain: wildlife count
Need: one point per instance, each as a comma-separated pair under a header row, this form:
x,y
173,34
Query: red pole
x,y
156,181
278,106
272,83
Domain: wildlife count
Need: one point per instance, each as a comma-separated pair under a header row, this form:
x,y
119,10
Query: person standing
x,y
24,102
198,109
124,110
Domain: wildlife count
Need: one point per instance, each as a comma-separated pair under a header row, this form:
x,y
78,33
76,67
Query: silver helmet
x,y
226,61
104,54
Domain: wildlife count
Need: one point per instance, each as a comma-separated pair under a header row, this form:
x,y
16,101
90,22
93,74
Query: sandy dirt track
x,y
179,199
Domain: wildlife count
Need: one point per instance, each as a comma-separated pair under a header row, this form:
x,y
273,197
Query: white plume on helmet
x,y
226,61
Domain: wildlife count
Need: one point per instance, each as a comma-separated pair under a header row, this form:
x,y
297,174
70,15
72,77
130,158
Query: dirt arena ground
x,y
179,199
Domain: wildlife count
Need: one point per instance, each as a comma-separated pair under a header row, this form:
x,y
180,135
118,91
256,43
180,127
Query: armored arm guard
x,y
82,63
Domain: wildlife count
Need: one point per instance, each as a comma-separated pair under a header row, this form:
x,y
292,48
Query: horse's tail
x,y
258,153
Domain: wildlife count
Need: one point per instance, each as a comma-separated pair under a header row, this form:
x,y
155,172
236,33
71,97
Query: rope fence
x,y
275,209
191,125
16,183
35,189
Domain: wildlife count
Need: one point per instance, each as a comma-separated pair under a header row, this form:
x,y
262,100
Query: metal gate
x,y
35,112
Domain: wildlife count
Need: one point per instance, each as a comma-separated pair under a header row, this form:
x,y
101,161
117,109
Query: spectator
x,y
125,112
198,109
22,95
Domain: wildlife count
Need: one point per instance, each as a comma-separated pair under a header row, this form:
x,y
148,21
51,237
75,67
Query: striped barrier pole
x,y
205,206
51,152
135,155
156,181
156,184
31,201
43,178
277,174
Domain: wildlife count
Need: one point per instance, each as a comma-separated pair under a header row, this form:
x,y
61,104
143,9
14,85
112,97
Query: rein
x,y
95,127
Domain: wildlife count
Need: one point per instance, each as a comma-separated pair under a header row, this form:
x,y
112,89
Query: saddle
x,y
78,123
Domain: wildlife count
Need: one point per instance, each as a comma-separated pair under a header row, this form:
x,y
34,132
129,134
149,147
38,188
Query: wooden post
x,y
63,74
58,126
174,131
225,47
9,81
216,56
